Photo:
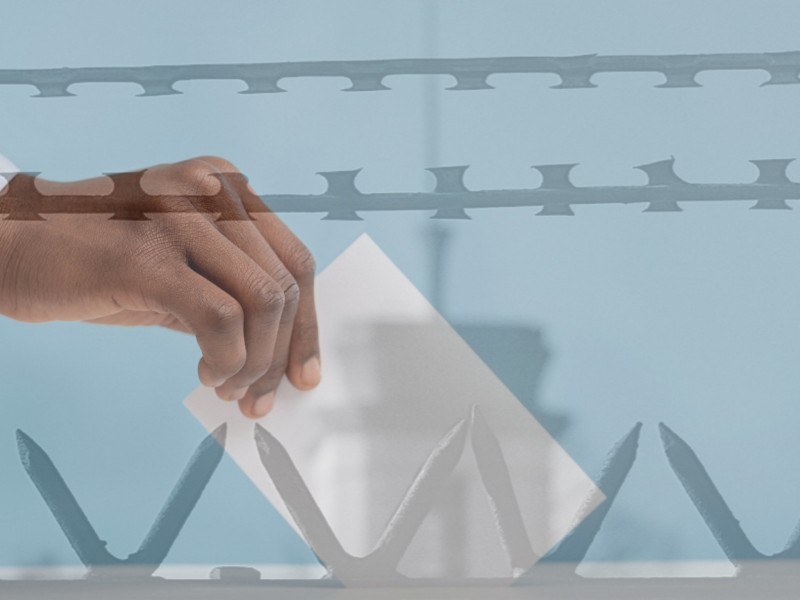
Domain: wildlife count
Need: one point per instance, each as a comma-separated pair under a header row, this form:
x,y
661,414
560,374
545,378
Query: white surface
x,y
396,377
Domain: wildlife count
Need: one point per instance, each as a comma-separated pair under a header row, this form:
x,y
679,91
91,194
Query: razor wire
x,y
450,198
574,72
380,566
664,191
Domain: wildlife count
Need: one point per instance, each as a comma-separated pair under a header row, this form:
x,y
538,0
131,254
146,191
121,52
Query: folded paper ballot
x,y
396,379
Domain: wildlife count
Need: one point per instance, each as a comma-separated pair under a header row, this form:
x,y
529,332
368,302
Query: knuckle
x,y
289,287
219,163
267,295
291,295
197,176
301,262
225,316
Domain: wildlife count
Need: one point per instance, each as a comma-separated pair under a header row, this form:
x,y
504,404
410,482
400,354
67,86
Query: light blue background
x,y
688,318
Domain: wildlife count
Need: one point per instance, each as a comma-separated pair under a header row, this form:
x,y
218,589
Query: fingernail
x,y
310,373
263,404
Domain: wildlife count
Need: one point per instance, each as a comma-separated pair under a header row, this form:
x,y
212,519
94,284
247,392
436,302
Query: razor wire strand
x,y
556,195
679,70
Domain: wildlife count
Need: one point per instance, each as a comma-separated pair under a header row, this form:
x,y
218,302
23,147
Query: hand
x,y
243,287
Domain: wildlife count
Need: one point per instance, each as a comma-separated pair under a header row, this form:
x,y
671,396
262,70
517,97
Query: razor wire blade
x,y
83,538
380,565
450,198
574,72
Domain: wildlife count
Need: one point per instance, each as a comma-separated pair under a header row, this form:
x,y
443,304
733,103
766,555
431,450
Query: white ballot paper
x,y
396,377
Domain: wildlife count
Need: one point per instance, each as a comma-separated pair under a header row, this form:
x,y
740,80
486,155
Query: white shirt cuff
x,y
7,172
